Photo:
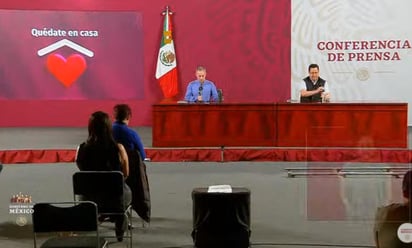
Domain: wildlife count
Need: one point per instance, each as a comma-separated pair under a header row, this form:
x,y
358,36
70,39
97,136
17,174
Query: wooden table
x,y
280,125
206,125
342,125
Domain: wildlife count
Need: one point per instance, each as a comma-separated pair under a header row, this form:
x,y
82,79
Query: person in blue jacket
x,y
122,133
137,180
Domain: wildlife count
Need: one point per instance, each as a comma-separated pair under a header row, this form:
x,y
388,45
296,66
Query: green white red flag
x,y
166,69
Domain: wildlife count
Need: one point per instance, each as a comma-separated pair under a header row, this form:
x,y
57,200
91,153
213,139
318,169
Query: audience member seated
x,y
126,136
137,179
389,218
100,152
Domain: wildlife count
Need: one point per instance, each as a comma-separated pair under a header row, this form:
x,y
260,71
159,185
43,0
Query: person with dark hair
x,y
201,90
101,152
122,133
314,88
390,218
138,180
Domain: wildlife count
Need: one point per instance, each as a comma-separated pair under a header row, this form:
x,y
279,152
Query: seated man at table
x,y
314,88
201,90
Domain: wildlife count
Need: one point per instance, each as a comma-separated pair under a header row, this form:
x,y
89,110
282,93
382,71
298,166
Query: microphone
x,y
200,97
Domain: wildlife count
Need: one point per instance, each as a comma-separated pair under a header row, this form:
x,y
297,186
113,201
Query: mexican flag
x,y
166,69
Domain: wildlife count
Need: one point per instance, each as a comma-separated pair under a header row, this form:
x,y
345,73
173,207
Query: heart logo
x,y
67,71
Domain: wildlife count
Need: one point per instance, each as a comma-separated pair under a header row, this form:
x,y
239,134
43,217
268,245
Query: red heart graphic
x,y
67,71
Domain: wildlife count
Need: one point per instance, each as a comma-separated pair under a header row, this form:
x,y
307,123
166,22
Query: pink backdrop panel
x,y
245,48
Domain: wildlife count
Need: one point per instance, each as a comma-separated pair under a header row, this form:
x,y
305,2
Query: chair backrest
x,y
220,95
65,217
105,188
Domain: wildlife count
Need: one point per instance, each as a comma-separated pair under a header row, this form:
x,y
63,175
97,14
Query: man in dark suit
x,y
314,88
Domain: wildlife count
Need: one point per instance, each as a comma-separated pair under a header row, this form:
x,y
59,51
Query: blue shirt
x,y
208,91
128,137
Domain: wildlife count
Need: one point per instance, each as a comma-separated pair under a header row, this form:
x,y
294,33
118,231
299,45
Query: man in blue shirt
x,y
201,90
122,133
137,180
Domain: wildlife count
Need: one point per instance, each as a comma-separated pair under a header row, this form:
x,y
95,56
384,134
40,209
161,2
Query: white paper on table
x,y
220,189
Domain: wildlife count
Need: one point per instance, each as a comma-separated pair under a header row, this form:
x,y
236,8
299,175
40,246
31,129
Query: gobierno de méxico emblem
x,y
167,57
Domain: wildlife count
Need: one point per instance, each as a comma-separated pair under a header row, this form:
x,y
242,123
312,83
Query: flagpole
x,y
168,80
167,11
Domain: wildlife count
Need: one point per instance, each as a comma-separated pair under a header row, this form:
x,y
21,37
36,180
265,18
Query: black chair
x,y
79,217
220,95
106,189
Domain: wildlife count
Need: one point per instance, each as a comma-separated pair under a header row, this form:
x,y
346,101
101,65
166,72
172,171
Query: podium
x,y
221,219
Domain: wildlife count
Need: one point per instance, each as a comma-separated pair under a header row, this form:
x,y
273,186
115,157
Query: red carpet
x,y
226,155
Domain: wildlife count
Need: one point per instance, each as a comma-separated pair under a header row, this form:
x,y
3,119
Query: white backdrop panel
x,y
360,75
